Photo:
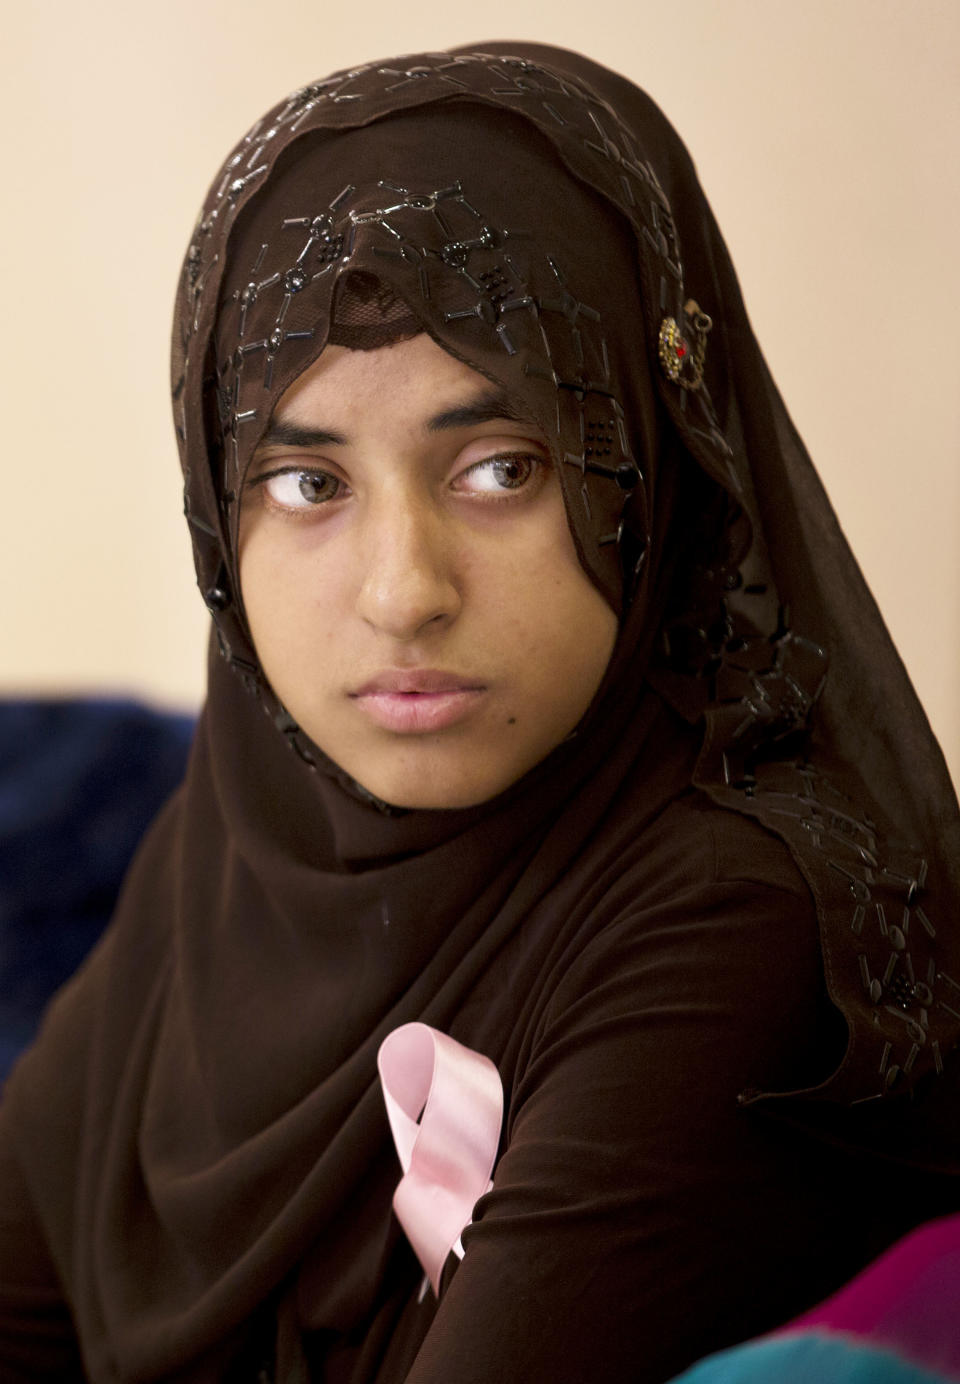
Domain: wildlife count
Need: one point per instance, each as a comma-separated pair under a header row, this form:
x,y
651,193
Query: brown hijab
x,y
496,230
540,219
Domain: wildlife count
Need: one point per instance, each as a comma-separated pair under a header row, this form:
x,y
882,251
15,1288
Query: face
x,y
410,580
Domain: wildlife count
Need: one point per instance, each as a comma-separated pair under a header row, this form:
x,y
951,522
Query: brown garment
x,y
636,932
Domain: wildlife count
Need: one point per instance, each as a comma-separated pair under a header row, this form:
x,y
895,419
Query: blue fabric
x,y
806,1358
80,780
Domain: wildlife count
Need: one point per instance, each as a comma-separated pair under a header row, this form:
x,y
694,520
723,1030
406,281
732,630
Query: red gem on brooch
x,y
682,362
673,347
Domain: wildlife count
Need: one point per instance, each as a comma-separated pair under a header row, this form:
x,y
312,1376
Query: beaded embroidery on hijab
x,y
491,290
753,625
222,1159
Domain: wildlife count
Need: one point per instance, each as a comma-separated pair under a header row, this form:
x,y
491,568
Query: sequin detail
x,y
759,679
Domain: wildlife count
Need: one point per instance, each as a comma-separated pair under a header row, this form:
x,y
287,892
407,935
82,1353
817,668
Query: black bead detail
x,y
216,598
626,475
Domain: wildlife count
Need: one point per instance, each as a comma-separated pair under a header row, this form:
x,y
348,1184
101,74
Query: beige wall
x,y
826,132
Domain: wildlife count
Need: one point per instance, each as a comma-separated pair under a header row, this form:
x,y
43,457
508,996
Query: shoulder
x,y
698,878
706,943
695,843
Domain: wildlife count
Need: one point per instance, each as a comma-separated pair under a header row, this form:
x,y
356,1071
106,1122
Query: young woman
x,y
554,750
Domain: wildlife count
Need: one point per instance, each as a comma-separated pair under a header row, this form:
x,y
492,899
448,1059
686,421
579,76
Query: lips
x,y
419,700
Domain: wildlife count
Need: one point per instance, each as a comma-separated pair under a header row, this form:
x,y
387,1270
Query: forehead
x,y
411,384
348,380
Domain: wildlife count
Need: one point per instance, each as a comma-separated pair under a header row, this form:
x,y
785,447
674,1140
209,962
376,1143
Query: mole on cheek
x,y
511,720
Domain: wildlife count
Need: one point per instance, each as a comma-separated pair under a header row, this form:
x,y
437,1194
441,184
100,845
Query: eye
x,y
295,490
505,472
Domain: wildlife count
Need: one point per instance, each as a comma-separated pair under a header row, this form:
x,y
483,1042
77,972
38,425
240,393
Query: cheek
x,y
289,600
556,621
264,582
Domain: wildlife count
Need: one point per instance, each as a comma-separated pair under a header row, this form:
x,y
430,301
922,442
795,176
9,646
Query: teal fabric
x,y
807,1359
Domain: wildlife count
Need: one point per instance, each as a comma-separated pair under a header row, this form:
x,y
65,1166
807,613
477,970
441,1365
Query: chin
x,y
424,788
423,797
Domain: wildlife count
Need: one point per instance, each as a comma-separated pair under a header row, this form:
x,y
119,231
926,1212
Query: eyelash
x,y
538,466
303,474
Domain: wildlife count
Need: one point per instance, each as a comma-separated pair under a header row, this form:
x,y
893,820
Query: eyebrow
x,y
490,407
280,434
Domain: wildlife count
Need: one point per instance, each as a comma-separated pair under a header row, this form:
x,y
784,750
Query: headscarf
x,y
864,799
541,220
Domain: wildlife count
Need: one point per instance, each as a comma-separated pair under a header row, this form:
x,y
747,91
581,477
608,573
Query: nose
x,y
407,579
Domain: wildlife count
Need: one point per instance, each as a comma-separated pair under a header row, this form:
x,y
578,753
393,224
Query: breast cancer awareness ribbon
x,y
445,1106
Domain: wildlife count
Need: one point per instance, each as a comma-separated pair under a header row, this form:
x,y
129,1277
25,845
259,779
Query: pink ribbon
x,y
447,1158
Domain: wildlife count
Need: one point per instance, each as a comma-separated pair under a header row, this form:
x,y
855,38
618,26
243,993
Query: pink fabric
x,y
907,1301
445,1106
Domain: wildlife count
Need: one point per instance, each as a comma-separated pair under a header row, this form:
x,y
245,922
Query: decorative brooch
x,y
682,360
